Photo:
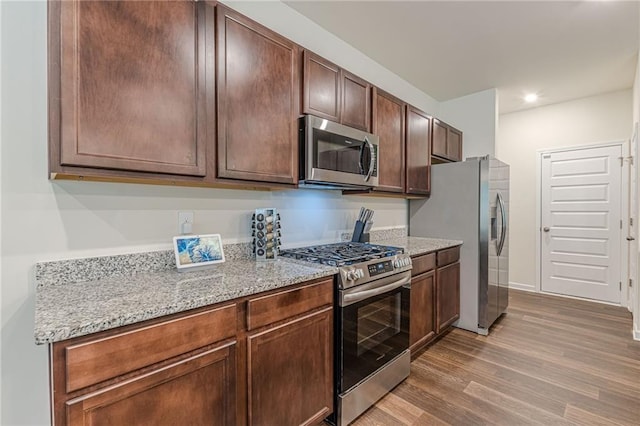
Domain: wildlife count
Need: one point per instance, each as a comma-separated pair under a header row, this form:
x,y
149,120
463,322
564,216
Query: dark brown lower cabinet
x,y
200,388
447,295
290,371
422,324
265,359
435,296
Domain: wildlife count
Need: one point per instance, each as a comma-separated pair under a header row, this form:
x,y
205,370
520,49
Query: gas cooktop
x,y
341,254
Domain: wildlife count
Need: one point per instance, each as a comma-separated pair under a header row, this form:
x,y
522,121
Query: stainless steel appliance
x,y
372,321
333,155
470,201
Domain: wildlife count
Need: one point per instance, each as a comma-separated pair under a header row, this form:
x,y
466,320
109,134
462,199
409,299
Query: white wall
x,y
477,116
584,121
44,220
635,291
0,208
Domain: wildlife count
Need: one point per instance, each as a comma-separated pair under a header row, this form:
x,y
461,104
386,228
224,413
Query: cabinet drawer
x,y
275,307
98,360
448,256
423,263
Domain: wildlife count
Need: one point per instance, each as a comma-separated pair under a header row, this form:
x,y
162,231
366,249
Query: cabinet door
x,y
422,324
200,388
447,296
356,102
418,153
454,144
388,124
132,90
258,101
290,371
322,89
439,141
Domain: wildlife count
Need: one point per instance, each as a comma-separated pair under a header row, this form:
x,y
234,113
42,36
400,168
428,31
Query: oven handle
x,y
347,299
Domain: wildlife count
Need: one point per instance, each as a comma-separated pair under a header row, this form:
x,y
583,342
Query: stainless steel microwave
x,y
336,156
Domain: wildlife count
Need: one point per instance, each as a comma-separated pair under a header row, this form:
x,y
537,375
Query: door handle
x,y
546,229
630,239
503,231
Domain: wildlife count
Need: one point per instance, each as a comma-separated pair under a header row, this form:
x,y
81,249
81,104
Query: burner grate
x,y
341,254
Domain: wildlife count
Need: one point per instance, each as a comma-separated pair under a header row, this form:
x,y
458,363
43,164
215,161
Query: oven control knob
x,y
351,275
359,273
396,263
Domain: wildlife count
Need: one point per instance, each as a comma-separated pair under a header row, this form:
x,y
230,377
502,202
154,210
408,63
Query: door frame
x,y
627,162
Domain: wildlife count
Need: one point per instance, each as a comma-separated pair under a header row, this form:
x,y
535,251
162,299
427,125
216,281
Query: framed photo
x,y
197,250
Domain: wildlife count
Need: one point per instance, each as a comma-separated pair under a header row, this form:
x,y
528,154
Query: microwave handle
x,y
360,163
372,161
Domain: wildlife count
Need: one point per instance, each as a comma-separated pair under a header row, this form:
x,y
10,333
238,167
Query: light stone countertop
x,y
83,296
418,245
80,308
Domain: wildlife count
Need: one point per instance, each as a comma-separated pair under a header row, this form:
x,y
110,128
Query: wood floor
x,y
549,361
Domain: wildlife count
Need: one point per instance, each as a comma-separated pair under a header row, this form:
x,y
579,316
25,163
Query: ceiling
x,y
560,50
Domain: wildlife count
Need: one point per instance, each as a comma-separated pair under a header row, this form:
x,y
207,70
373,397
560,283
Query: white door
x,y
632,232
581,227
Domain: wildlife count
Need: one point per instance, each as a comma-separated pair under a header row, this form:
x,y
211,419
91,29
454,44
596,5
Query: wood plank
x,y
401,410
585,418
549,360
524,409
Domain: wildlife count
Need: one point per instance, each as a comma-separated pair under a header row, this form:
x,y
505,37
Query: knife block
x,y
265,230
359,234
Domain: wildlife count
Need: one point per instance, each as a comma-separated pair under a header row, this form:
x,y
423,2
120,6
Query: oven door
x,y
340,155
373,327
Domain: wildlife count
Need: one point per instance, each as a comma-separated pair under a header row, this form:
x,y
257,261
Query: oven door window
x,y
339,153
374,331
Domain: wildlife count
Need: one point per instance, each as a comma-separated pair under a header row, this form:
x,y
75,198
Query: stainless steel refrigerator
x,y
470,202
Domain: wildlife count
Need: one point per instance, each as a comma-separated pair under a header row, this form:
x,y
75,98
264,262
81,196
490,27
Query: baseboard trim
x,y
520,286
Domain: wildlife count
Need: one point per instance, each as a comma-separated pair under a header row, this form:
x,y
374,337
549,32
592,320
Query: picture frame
x,y
197,251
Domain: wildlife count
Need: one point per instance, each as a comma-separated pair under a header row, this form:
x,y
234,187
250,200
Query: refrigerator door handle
x,y
504,224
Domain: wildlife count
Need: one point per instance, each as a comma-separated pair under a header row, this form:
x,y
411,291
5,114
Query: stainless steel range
x,y
372,321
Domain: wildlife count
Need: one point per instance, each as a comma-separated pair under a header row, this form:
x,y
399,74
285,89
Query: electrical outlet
x,y
185,223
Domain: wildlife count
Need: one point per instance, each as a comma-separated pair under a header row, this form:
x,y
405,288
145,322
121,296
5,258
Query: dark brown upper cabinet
x,y
418,152
322,88
447,142
127,88
258,85
335,94
388,123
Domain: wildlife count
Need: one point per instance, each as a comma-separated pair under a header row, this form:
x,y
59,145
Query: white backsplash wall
x,y
105,217
44,220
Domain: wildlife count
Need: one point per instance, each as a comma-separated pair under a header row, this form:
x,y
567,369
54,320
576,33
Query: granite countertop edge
x,y
415,246
69,321
83,308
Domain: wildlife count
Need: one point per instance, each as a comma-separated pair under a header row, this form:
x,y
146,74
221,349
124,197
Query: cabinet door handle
x,y
546,229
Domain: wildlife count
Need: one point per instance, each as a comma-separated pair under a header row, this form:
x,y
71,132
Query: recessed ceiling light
x,y
531,97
